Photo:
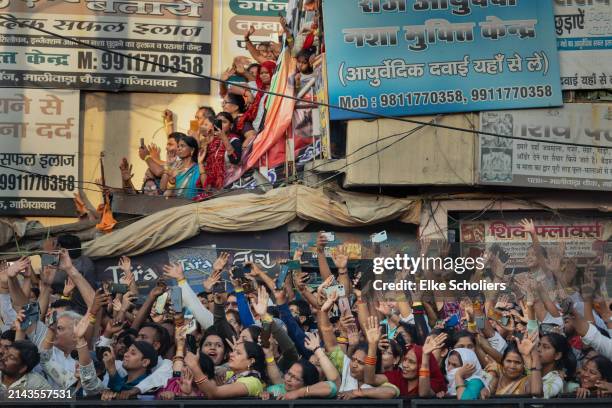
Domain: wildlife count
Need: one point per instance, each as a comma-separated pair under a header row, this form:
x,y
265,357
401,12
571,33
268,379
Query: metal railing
x,y
322,403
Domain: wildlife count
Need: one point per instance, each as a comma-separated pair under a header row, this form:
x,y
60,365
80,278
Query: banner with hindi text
x,y
422,57
39,154
584,38
529,163
174,34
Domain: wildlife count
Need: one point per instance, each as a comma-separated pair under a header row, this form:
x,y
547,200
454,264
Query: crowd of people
x,y
213,153
267,337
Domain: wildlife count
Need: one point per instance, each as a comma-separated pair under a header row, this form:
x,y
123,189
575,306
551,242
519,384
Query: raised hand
x,y
126,170
109,359
174,271
154,151
192,361
213,278
528,226
233,342
186,381
65,263
221,261
434,343
100,299
312,341
80,329
128,301
167,115
69,286
249,32
329,302
466,371
18,266
372,330
528,343
261,306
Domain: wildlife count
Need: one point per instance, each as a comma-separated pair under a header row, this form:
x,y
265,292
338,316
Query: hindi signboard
x,y
176,34
584,37
583,237
526,163
421,57
39,131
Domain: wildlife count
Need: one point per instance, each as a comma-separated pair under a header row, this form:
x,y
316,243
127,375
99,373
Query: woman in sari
x,y
181,182
521,371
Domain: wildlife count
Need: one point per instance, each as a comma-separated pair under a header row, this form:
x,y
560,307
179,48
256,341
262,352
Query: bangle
x,y
370,360
147,157
66,297
317,349
91,318
201,380
535,369
178,358
472,326
414,304
82,345
181,281
424,372
307,391
459,386
342,339
238,290
269,360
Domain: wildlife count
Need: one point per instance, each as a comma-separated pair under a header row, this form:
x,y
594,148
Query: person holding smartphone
x,y
217,154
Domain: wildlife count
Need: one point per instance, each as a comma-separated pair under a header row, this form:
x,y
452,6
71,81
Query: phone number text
x,y
39,394
457,96
31,182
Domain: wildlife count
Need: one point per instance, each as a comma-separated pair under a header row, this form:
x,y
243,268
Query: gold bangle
x,y
181,281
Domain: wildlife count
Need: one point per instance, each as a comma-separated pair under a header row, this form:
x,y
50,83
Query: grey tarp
x,y
253,212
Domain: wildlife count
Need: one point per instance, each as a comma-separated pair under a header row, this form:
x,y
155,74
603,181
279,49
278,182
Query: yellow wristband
x,y
147,157
238,290
417,304
65,297
181,281
269,360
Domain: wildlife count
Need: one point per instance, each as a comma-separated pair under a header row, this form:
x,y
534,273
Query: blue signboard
x,y
416,57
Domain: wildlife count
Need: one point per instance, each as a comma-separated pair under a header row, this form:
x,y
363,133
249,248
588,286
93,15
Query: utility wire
x,y
318,103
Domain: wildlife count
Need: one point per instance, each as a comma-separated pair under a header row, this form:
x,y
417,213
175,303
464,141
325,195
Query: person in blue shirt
x,y
464,375
138,361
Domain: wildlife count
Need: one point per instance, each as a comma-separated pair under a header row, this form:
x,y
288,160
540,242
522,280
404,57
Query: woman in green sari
x,y
181,182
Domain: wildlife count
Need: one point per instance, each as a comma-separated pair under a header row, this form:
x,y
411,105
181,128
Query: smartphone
x,y
49,260
142,145
548,328
379,237
248,286
100,352
191,325
344,305
52,319
218,124
238,272
176,298
384,330
282,276
504,320
191,343
480,322
335,288
194,126
160,303
220,287
120,288
329,236
32,314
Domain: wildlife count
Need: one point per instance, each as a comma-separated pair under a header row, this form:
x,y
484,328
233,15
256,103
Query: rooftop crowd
x,y
213,153
265,337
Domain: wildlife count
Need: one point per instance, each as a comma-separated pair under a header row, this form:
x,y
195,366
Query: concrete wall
x,y
428,156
